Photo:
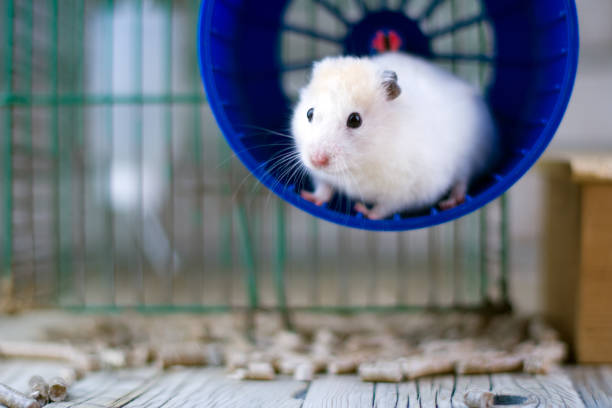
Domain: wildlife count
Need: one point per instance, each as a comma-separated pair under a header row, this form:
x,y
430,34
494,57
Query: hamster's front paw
x,y
322,194
313,198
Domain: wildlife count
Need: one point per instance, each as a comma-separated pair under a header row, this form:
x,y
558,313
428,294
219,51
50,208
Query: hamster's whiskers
x,y
237,152
290,170
271,131
284,158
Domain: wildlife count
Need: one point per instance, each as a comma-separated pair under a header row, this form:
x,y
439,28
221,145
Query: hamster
x,y
392,130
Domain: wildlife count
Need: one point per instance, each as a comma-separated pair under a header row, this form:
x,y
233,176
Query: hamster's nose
x,y
319,159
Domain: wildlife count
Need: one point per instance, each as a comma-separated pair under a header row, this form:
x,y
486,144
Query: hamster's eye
x,y
310,114
354,120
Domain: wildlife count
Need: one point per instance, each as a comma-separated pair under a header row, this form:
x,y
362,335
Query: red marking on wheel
x,y
385,41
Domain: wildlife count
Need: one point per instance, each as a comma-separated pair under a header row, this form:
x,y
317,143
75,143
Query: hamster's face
x,y
341,114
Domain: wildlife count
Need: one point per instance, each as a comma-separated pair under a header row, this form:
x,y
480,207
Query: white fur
x,y
409,151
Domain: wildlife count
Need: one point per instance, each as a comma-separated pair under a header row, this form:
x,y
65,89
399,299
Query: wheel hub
x,y
364,34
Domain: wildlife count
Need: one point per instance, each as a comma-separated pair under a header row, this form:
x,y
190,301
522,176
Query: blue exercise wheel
x,y
523,53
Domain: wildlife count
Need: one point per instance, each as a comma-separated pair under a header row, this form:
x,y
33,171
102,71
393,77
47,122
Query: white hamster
x,y
392,130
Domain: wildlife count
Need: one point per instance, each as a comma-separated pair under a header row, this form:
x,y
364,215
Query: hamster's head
x,y
342,114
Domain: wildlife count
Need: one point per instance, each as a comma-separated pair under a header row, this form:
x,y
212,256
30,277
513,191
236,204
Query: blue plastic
x,y
535,62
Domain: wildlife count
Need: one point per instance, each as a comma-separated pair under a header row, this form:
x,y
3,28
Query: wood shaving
x,y
14,399
381,372
423,365
478,399
304,372
489,362
380,348
58,389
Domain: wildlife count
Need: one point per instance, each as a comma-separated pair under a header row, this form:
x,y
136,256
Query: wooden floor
x,y
209,387
583,386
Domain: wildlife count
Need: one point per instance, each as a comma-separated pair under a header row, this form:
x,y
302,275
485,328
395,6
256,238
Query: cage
x,y
119,192
522,54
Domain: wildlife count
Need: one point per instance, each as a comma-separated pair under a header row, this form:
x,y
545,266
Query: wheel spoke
x,y
309,32
362,5
333,10
464,57
296,66
457,25
429,10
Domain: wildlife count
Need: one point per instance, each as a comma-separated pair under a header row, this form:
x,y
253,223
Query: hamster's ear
x,y
390,85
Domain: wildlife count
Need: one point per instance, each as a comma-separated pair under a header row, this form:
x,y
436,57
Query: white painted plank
x,y
464,383
17,372
559,390
506,385
226,392
385,395
338,392
105,388
211,387
593,384
165,388
435,391
407,395
553,390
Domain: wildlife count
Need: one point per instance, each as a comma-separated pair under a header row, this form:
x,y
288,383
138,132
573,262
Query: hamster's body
x,y
410,149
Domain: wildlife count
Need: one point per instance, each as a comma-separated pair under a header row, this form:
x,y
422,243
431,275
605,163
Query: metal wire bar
x,y
66,160
17,99
484,251
27,66
109,121
402,240
223,308
281,258
504,249
248,256
433,254
458,267
82,168
457,244
372,269
55,151
484,248
137,79
313,233
168,120
197,140
8,141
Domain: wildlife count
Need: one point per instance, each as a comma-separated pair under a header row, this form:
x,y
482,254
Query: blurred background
x,y
119,191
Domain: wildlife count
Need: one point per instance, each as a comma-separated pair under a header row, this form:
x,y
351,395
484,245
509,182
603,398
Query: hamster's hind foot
x,y
378,212
456,197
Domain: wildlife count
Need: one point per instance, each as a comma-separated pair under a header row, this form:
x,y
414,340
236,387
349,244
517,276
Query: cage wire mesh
x,y
118,190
